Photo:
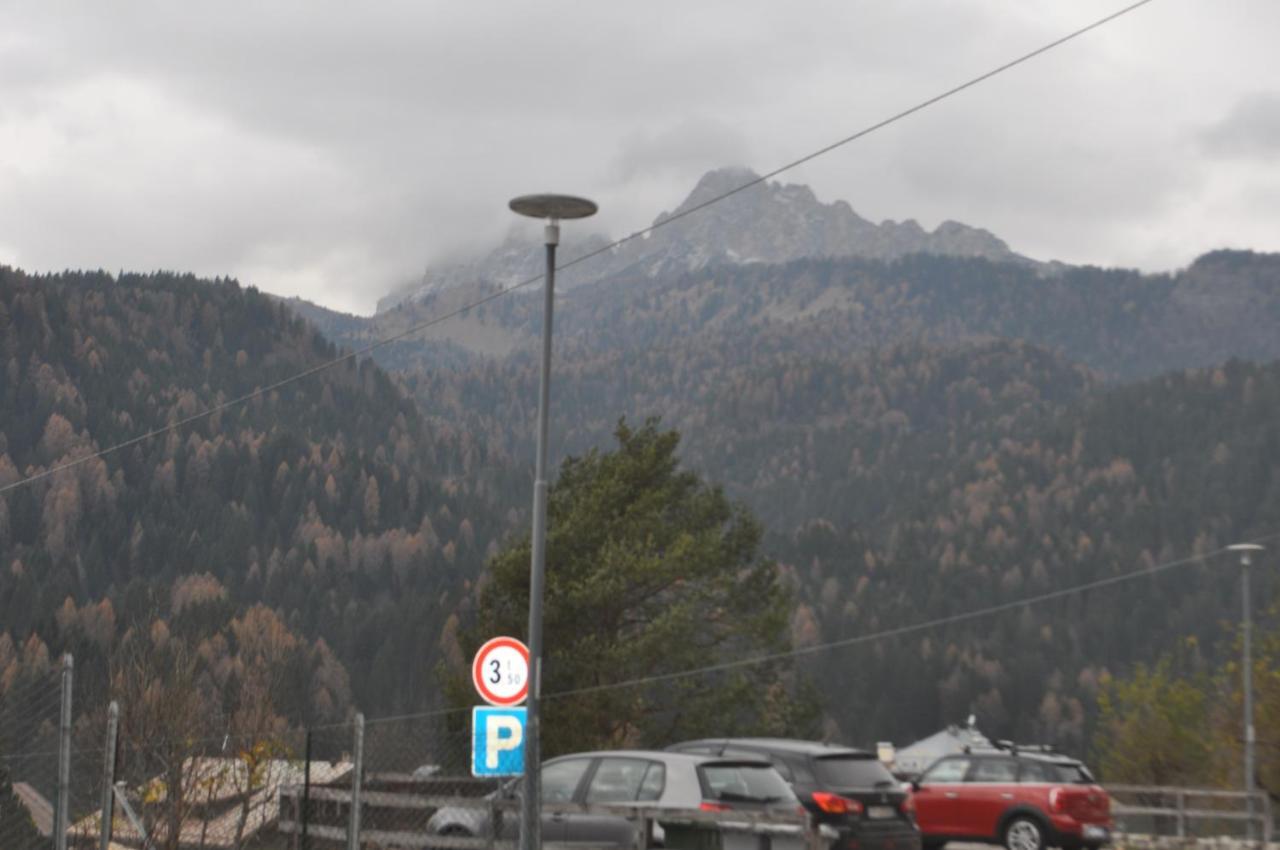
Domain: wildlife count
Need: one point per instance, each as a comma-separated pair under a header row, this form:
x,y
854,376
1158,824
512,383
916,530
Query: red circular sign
x,y
500,671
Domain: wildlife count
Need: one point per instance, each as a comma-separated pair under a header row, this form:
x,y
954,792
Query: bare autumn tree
x,y
155,676
264,647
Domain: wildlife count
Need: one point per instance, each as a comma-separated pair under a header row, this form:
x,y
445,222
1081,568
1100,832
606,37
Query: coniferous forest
x,y
917,439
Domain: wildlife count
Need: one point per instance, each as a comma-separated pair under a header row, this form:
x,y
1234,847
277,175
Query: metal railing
x,y
1181,810
682,828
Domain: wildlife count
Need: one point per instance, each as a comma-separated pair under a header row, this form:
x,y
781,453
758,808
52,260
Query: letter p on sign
x,y
497,741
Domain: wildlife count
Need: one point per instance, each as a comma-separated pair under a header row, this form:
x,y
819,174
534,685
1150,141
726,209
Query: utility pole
x,y
1246,551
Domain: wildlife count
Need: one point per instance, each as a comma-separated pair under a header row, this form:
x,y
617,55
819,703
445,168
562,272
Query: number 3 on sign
x,y
500,671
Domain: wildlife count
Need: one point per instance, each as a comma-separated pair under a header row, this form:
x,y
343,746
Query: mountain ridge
x,y
767,222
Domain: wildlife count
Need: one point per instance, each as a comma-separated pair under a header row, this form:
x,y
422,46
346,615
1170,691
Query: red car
x,y
1021,800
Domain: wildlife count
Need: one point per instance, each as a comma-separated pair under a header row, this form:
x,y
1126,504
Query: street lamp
x,y
1246,551
553,208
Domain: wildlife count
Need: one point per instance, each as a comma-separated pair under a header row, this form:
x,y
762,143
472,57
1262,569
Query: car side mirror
x,y
915,785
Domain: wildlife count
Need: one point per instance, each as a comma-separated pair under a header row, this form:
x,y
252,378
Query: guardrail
x,y
694,829
1182,807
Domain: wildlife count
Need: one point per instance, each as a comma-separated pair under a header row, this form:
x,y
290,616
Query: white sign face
x,y
500,671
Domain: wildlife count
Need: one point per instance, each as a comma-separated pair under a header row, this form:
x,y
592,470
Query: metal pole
x,y
64,757
531,801
306,792
1247,674
109,777
353,826
132,815
1267,825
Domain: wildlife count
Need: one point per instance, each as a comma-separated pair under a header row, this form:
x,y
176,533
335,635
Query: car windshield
x,y
743,782
853,772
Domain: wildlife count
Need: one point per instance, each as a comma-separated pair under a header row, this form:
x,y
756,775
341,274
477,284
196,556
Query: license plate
x,y
1095,833
881,812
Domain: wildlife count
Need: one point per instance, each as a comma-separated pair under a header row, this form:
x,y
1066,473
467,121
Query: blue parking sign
x,y
497,741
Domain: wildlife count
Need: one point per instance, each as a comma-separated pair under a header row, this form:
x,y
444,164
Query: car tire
x,y
932,845
1023,833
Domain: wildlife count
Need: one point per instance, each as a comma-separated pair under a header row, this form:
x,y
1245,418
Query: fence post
x,y
495,820
1182,812
353,827
306,792
1266,820
109,776
60,822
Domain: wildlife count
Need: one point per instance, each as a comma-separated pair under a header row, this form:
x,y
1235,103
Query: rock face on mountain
x,y
775,223
766,223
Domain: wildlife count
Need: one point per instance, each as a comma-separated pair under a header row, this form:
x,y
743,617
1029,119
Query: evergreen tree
x,y
650,571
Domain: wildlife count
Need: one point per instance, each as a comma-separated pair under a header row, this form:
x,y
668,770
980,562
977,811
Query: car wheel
x,y
1023,833
932,845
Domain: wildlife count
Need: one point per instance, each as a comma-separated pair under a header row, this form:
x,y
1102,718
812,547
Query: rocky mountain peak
x,y
768,222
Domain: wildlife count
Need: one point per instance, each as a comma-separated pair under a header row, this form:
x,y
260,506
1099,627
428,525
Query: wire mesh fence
x,y
162,777
30,711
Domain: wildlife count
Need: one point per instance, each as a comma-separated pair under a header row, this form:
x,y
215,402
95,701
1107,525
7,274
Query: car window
x,y
994,770
803,772
746,782
1072,773
560,779
616,780
1035,771
853,772
655,782
947,770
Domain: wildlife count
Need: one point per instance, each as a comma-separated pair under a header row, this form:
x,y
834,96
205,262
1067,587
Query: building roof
x,y
40,809
218,786
954,739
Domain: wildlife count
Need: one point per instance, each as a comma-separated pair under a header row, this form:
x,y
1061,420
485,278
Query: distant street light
x,y
552,208
1246,551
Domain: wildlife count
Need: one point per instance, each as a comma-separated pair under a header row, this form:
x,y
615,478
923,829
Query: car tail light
x,y
708,806
834,804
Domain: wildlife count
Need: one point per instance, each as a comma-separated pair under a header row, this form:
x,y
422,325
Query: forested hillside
x,y
1120,323
935,435
330,500
1126,479
900,475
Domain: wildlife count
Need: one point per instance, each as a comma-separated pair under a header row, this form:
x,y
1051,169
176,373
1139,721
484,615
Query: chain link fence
x,y
30,713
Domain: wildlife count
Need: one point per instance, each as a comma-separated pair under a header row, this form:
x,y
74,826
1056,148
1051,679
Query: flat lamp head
x,y
553,206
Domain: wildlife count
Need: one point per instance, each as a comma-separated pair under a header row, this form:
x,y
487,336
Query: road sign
x,y
500,671
497,741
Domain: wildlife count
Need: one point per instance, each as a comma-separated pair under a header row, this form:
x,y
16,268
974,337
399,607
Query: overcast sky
x,y
332,149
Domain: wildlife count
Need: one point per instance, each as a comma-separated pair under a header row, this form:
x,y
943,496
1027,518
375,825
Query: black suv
x,y
846,788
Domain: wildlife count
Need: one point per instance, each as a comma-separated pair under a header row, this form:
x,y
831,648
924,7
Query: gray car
x,y
639,778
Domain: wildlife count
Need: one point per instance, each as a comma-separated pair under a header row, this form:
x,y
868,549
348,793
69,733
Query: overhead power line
x,y
871,637
900,631
858,640
422,326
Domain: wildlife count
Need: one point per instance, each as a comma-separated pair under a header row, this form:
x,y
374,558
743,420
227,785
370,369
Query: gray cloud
x,y
332,150
1250,129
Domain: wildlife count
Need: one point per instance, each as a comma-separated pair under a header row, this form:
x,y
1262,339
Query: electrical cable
x,y
414,329
897,631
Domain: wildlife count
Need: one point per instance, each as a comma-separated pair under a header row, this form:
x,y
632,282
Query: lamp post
x,y
1246,551
552,208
